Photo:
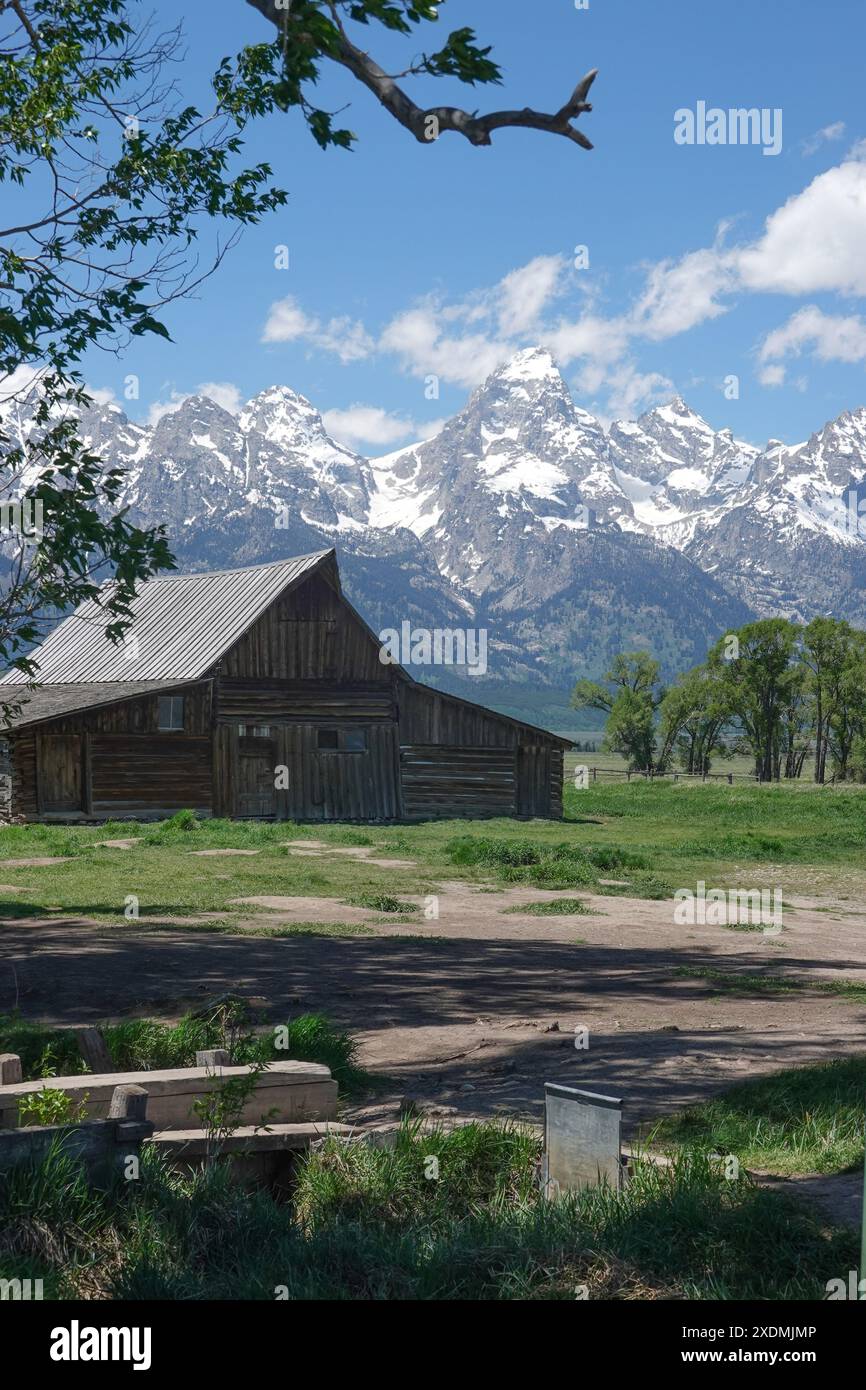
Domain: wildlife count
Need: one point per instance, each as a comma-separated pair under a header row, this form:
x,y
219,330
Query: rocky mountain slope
x,y
523,515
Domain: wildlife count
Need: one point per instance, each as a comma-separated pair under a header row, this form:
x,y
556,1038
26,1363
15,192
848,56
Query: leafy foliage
x,y
113,180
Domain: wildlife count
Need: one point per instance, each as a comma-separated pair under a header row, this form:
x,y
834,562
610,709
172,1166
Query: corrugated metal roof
x,y
182,624
53,701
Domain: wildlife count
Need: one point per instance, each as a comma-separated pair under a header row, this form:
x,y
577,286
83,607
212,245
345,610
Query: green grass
x,y
560,907
657,836
802,1120
560,865
372,1225
142,1044
382,902
736,982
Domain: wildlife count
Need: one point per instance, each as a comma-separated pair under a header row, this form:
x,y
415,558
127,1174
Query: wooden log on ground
x,y
193,1143
102,1146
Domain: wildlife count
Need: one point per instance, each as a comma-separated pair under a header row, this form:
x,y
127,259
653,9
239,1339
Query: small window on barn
x,y
170,712
355,740
329,739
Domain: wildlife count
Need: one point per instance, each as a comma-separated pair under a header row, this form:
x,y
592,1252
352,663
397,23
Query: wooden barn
x,y
256,693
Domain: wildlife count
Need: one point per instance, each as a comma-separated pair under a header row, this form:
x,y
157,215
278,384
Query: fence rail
x,y
596,774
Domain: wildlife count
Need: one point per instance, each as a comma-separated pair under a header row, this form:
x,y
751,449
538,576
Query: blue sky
x,y
705,261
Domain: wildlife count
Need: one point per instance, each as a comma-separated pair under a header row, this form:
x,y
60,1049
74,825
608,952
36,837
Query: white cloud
x,y
370,424
16,384
524,293
367,424
631,391
157,409
287,321
772,376
829,337
429,428
346,338
681,294
815,241
224,393
835,131
104,395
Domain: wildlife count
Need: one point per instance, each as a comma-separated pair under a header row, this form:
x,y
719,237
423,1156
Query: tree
x,y
111,179
756,686
826,653
846,724
693,716
630,707
314,31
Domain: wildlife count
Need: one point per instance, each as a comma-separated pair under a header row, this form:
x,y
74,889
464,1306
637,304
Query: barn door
x,y
60,767
256,770
533,780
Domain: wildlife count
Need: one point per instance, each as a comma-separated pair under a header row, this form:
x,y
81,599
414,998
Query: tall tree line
x,y
780,691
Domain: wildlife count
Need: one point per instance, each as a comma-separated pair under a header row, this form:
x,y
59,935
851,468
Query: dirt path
x,y
472,1013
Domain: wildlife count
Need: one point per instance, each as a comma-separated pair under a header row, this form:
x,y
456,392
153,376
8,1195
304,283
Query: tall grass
x,y
803,1120
373,1224
553,866
142,1044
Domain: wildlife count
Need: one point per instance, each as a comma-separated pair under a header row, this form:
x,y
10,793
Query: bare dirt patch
x,y
317,849
470,1014
219,853
40,861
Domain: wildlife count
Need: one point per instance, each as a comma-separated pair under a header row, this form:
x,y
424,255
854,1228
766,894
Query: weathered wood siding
x,y
305,635
440,781
428,716
147,774
534,779
114,761
264,700
460,759
293,779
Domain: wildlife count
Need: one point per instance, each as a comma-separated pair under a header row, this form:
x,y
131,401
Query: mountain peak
x,y
529,364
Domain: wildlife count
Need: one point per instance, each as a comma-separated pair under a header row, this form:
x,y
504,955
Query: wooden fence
x,y
604,774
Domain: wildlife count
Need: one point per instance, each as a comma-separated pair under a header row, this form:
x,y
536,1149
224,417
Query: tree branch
x,y
425,125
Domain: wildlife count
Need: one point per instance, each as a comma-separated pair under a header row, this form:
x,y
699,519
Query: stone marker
x,y
10,1069
94,1050
128,1103
581,1140
214,1057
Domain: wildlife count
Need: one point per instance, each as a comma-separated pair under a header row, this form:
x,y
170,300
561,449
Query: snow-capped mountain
x,y
568,541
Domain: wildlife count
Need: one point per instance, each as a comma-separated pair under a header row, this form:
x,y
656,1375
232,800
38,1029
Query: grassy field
x,y
652,836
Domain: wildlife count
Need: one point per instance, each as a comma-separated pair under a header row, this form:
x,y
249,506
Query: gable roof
x,y
182,624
